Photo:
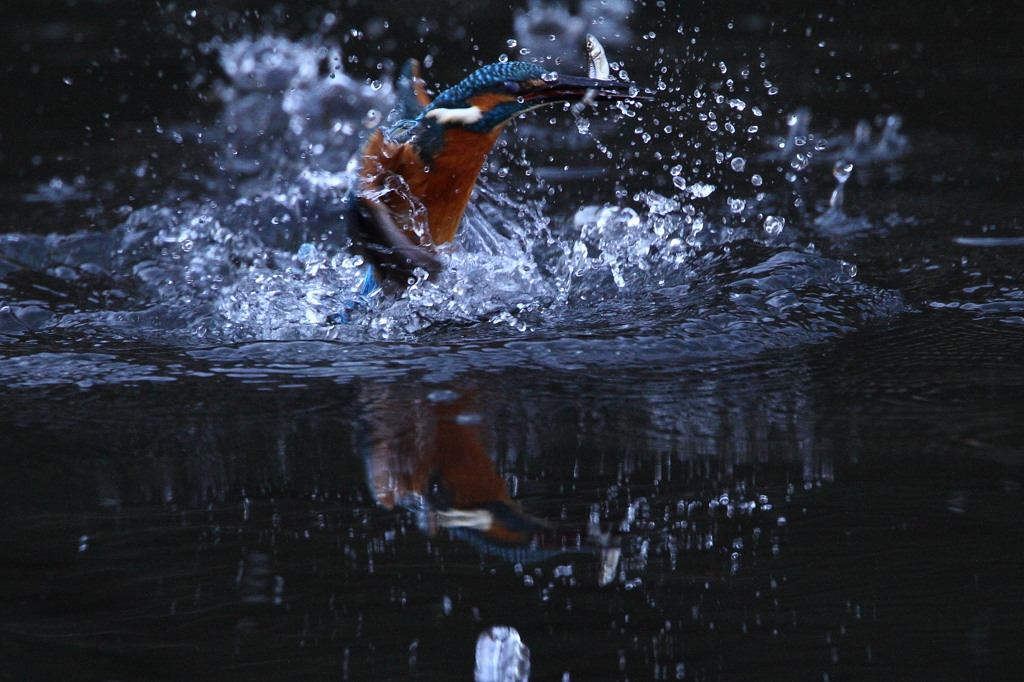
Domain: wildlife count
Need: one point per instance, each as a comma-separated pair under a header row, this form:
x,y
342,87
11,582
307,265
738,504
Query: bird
x,y
415,176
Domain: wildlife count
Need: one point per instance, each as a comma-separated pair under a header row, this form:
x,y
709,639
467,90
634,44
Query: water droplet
x,y
773,225
756,180
737,104
68,80
502,57
842,170
550,77
700,190
511,42
737,205
738,164
373,119
679,183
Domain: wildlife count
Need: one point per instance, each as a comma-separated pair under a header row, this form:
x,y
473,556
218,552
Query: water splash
x,y
501,656
263,255
862,147
834,220
841,171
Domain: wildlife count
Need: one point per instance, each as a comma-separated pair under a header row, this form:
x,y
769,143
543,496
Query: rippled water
x,y
789,390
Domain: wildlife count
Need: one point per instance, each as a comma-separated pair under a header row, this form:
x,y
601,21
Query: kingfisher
x,y
415,176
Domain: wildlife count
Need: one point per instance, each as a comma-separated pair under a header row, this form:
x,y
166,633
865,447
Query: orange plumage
x,y
426,199
416,178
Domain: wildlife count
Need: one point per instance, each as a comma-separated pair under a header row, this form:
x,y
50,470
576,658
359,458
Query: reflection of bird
x,y
450,477
416,177
449,480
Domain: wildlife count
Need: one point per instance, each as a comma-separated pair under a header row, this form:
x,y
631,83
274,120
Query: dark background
x,y
953,66
904,562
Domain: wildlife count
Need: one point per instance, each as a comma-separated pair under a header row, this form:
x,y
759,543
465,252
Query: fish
x,y
597,67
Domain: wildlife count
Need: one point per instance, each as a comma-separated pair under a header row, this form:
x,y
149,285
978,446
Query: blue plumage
x,y
503,78
490,78
435,152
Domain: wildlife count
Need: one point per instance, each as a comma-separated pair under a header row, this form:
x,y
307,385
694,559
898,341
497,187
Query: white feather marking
x,y
477,519
467,116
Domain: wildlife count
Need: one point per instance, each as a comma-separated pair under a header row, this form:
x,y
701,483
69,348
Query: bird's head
x,y
494,94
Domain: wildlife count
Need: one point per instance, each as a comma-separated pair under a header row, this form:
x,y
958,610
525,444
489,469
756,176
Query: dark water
x,y
804,434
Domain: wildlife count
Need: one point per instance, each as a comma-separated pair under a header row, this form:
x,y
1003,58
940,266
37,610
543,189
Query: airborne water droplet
x,y
773,225
842,170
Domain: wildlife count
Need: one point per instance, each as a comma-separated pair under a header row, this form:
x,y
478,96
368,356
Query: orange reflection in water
x,y
430,458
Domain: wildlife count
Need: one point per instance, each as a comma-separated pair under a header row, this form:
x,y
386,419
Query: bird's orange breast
x,y
438,191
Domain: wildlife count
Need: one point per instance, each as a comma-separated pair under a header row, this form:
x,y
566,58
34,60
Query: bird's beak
x,y
574,88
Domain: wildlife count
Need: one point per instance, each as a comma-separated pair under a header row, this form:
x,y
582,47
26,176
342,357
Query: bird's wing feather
x,y
393,246
411,91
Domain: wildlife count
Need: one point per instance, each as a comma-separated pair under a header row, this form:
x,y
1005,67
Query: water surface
x,y
801,421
